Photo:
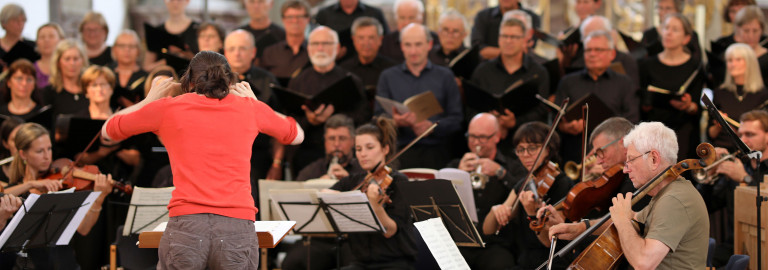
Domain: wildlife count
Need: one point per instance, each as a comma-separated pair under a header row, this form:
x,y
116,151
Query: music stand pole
x,y
759,199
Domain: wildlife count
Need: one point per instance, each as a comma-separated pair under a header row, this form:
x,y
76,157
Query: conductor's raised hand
x,y
162,88
242,89
319,115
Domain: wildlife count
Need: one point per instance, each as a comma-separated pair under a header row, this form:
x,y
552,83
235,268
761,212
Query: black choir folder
x,y
519,97
465,62
660,97
598,111
77,132
343,95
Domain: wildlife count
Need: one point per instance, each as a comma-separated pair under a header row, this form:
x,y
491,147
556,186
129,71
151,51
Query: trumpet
x,y
477,178
573,170
334,161
706,175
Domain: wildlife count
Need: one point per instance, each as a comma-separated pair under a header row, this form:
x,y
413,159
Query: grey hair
x,y
649,136
426,31
334,35
600,33
606,24
338,121
367,21
452,14
614,128
520,15
11,11
418,3
753,81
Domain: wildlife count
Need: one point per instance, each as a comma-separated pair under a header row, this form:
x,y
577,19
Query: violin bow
x,y
585,112
551,132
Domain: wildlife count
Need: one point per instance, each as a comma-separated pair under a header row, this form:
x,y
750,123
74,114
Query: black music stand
x,y
46,220
438,198
340,223
754,156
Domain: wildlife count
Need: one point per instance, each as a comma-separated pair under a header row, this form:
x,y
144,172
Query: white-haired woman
x,y
13,46
742,91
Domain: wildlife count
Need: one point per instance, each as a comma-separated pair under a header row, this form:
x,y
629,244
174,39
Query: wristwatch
x,y
747,179
500,172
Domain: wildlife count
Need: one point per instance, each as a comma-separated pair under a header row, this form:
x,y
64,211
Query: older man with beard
x,y
322,47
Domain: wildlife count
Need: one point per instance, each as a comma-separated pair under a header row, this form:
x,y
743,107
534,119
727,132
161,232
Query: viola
x,y
544,178
585,196
79,177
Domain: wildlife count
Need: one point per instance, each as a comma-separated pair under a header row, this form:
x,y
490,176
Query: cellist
x,y
676,224
512,224
375,144
607,143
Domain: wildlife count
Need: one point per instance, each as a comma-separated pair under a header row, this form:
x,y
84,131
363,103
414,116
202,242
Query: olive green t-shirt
x,y
677,216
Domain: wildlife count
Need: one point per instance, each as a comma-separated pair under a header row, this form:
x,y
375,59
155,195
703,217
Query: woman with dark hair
x,y
210,37
8,130
208,133
670,70
523,243
375,143
21,96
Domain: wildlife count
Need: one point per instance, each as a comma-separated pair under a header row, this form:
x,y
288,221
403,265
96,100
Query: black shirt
x,y
188,36
266,37
371,248
259,80
652,43
133,90
368,73
22,49
103,59
735,103
64,102
279,60
487,23
613,89
334,16
390,45
320,167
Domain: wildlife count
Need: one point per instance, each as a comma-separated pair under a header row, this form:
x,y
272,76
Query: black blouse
x,y
103,59
133,90
374,247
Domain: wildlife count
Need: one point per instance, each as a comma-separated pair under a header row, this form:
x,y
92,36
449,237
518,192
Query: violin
x,y
605,251
544,178
585,196
79,177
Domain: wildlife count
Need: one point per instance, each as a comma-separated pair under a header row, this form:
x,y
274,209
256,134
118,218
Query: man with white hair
x,y
600,23
452,29
406,12
418,75
322,48
675,234
486,28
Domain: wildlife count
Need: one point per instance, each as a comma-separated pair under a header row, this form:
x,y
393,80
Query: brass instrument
x,y
334,161
706,175
573,170
477,178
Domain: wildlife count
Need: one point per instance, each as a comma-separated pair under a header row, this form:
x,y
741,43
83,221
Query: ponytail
x,y
208,74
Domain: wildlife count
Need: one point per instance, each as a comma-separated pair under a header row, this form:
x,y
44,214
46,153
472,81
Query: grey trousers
x,y
209,241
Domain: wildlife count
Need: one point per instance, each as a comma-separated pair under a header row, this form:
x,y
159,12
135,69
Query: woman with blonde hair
x,y
48,35
65,92
742,91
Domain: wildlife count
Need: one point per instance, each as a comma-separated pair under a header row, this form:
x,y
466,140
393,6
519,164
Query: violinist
x,y
499,174
208,133
676,225
33,162
511,217
375,143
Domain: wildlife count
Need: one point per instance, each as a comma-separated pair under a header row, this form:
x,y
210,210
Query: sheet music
x,y
149,207
277,229
461,182
11,226
387,105
266,209
77,219
440,244
301,213
360,211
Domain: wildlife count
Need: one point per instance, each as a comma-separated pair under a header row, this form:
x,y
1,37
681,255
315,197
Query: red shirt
x,y
209,145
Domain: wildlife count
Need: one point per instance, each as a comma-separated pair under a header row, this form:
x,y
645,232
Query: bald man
x,y
322,48
415,76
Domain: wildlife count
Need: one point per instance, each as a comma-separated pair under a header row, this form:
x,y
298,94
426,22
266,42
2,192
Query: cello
x,y
605,252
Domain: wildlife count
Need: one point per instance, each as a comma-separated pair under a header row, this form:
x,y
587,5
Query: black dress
x,y
64,102
103,59
685,125
133,90
22,49
374,249
735,104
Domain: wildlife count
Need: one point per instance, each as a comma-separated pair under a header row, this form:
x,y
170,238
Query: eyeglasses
x,y
294,17
597,50
452,32
512,37
479,138
20,79
324,43
600,152
626,163
530,149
